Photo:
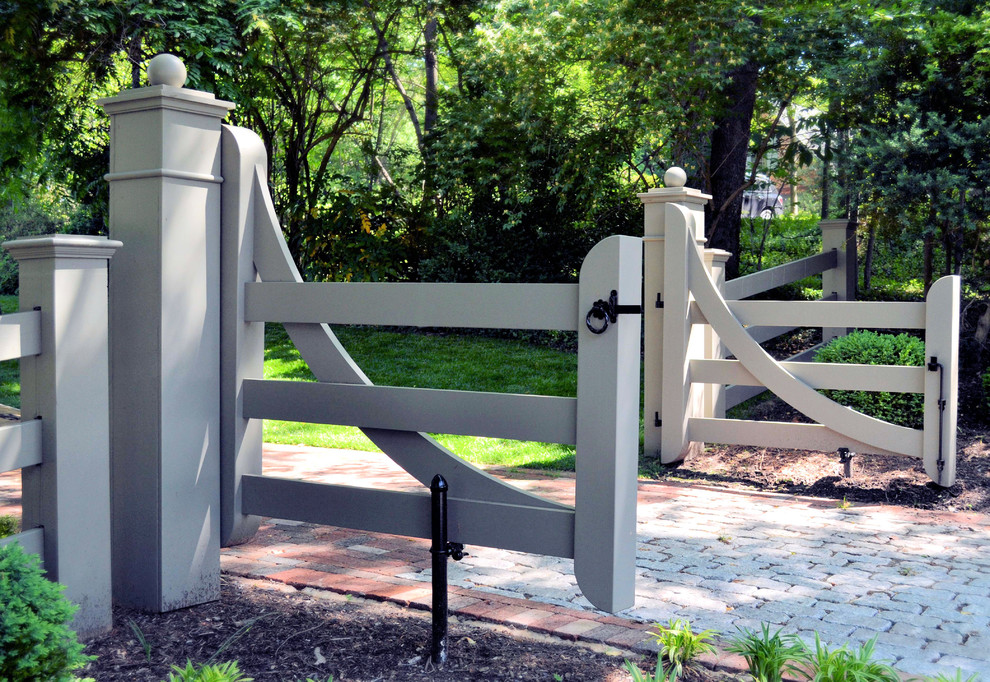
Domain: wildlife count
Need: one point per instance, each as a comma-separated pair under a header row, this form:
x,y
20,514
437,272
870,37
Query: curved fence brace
x,y
789,388
417,453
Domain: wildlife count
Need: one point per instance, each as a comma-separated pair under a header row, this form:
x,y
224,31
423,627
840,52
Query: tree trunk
x,y
826,185
730,143
430,100
871,241
929,258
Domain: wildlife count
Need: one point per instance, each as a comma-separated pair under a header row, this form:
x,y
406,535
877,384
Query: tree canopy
x,y
499,139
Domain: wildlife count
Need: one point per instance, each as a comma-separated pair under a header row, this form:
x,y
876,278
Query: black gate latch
x,y
608,311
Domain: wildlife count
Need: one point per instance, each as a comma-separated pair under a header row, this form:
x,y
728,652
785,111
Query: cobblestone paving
x,y
917,581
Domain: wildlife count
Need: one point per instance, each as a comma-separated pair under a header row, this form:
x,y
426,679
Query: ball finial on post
x,y
674,177
166,69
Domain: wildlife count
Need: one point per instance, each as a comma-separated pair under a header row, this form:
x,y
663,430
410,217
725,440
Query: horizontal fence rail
x,y
31,541
867,315
771,278
497,415
820,375
789,435
479,306
20,335
20,445
470,522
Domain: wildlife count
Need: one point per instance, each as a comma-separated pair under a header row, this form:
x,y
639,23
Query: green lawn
x,y
435,361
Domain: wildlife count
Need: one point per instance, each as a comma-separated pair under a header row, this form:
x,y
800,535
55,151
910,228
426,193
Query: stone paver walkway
x,y
918,581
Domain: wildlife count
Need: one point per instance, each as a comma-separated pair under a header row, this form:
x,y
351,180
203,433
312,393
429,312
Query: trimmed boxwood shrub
x,y
871,348
35,640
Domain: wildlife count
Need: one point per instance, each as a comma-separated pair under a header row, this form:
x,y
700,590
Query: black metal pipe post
x,y
439,551
846,457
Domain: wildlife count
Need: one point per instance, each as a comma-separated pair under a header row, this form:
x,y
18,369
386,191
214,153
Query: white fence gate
x,y
697,320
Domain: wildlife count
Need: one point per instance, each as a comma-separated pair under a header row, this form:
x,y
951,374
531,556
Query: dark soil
x,y
278,634
875,479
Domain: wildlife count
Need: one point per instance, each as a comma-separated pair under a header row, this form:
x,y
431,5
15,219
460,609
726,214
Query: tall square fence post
x,y
66,386
165,201
839,283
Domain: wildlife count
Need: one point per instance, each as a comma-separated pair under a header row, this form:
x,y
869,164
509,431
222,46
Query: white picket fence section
x,y
698,322
61,446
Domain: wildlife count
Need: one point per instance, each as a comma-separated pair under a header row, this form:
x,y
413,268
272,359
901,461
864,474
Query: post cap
x,y
166,69
674,177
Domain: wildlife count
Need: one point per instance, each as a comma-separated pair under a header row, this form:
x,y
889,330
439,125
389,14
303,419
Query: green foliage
x,y
769,656
35,640
222,672
142,640
766,244
638,675
842,664
957,677
679,646
870,348
8,525
358,235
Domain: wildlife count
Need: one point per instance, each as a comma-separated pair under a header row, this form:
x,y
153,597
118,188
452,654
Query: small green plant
x,y
35,640
8,525
843,503
958,677
842,665
140,638
222,672
769,656
638,675
869,348
679,646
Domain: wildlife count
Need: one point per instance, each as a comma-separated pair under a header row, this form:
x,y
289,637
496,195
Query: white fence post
x,y
715,260
67,388
941,380
606,460
655,296
841,280
165,341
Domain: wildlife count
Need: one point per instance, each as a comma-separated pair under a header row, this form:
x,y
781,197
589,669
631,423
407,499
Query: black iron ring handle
x,y
597,312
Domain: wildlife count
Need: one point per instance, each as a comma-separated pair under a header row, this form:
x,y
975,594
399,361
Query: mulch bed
x,y
278,634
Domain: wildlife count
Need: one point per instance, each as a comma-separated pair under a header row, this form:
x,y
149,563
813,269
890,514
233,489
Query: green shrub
x,y
870,348
8,525
680,645
769,656
35,640
843,665
222,672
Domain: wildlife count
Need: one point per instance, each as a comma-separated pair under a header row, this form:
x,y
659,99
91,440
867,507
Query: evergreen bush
x,y
871,348
8,525
35,640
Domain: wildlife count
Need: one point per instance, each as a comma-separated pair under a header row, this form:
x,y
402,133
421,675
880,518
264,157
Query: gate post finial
x,y
166,69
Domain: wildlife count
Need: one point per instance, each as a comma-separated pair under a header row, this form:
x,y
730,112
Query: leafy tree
x,y
923,145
